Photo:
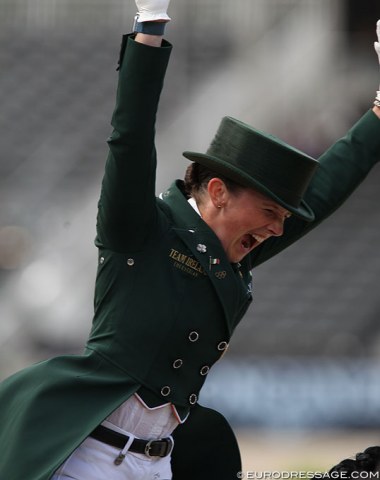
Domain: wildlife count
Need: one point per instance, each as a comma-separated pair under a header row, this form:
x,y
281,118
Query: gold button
x,y
165,391
178,363
193,336
222,346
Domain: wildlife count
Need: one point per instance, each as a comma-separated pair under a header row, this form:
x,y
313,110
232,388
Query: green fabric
x,y
48,409
153,288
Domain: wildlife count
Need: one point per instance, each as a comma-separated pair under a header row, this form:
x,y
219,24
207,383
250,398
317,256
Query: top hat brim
x,y
233,173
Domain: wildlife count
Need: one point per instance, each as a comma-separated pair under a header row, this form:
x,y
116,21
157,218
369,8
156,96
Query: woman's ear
x,y
218,192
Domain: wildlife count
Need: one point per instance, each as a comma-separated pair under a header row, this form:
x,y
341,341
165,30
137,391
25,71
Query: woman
x,y
173,281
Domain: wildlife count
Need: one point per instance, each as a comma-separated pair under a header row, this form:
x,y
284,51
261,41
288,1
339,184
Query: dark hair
x,y
197,177
367,461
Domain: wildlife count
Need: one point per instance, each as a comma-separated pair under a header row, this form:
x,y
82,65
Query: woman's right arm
x,y
127,201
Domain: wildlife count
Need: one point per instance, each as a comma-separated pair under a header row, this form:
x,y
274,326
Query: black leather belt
x,y
151,448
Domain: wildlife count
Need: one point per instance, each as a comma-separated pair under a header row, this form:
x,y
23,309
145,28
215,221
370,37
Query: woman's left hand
x,y
376,108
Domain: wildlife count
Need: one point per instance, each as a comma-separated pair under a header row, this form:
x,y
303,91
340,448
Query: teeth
x,y
258,238
253,241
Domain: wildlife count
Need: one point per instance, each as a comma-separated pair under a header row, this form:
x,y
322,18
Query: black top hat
x,y
261,161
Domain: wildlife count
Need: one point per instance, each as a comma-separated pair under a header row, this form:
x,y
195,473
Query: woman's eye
x,y
274,213
269,211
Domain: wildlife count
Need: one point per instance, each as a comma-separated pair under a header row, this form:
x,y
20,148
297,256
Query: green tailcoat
x,y
164,309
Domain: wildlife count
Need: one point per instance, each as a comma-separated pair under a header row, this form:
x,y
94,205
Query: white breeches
x,y
95,460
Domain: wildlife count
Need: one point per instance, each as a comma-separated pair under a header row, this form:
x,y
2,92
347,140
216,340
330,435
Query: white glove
x,y
377,50
152,10
377,44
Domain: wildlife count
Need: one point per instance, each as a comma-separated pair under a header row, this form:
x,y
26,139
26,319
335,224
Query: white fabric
x,y
377,48
94,460
152,10
143,422
193,203
377,44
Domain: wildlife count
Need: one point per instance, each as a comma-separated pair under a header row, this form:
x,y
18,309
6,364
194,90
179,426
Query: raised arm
x,y
348,161
342,168
127,202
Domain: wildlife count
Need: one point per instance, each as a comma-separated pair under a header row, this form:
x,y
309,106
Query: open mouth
x,y
249,241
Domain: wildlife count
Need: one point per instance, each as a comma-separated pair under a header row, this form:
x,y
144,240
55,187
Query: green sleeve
x,y
342,168
127,202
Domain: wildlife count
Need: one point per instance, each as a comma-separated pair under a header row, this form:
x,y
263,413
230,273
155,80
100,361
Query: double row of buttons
x,y
194,337
178,363
165,391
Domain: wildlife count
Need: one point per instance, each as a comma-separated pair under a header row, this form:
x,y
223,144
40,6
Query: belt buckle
x,y
168,449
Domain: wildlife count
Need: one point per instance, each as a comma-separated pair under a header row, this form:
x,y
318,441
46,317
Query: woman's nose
x,y
276,227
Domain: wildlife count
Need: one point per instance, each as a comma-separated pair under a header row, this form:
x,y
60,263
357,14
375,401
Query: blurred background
x,y
301,380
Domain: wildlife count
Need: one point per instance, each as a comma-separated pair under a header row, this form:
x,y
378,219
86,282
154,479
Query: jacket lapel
x,y
207,249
